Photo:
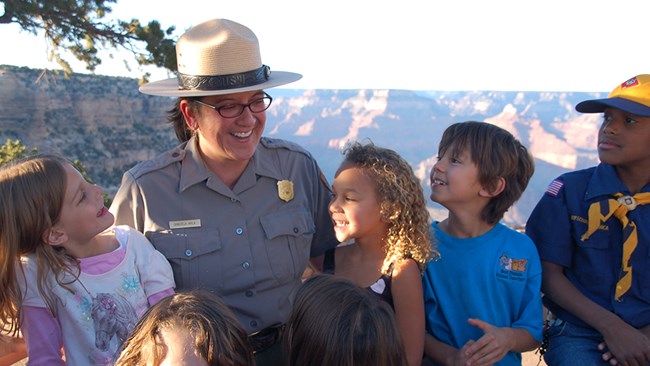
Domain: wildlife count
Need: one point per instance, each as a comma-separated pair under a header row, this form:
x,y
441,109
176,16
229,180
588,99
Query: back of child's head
x,y
631,96
31,197
401,198
32,191
335,322
497,154
218,337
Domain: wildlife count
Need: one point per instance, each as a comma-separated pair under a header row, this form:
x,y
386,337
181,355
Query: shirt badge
x,y
184,224
285,190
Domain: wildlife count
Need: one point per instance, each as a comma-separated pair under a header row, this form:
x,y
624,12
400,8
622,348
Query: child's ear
x,y
55,236
494,189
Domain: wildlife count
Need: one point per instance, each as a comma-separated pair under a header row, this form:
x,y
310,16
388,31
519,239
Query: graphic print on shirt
x,y
512,268
111,317
130,284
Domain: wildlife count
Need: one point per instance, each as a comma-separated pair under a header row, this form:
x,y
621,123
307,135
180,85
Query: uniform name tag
x,y
181,224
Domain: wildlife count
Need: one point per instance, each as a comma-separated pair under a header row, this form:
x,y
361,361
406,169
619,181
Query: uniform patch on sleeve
x,y
324,180
554,188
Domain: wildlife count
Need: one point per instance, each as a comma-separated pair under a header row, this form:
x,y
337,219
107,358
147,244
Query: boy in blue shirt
x,y
482,296
592,231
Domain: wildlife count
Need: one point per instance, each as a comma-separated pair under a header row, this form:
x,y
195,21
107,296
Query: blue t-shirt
x,y
495,277
557,224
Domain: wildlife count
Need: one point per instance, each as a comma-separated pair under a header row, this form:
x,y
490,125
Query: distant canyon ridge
x,y
109,126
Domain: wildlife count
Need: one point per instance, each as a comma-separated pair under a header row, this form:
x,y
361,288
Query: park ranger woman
x,y
234,212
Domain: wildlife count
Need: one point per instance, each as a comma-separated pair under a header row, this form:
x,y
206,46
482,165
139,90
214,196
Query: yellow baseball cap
x,y
632,96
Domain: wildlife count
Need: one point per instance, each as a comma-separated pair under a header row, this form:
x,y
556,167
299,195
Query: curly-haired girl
x,y
380,215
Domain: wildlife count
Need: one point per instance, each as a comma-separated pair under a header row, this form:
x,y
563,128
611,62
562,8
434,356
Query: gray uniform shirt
x,y
246,244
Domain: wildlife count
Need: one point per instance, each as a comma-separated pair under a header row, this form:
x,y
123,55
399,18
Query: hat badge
x,y
631,82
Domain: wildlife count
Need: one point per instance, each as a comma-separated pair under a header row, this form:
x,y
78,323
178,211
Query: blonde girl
x,y
69,280
380,215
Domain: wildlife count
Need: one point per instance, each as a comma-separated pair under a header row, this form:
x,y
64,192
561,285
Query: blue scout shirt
x,y
593,266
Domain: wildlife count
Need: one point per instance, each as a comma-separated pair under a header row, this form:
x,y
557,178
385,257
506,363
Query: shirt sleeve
x,y
532,313
153,299
430,301
42,335
549,227
156,273
29,284
324,238
127,204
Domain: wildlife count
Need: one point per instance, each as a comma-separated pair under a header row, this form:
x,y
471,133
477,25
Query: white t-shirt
x,y
98,317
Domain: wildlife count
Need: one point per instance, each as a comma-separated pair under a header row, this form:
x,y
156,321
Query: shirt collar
x,y
265,162
604,182
193,169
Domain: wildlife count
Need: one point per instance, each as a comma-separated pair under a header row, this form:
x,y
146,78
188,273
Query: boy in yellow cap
x,y
592,231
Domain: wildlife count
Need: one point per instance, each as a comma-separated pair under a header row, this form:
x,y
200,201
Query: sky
x,y
505,45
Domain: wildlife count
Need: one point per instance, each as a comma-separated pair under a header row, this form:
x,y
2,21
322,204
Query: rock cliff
x,y
102,121
109,126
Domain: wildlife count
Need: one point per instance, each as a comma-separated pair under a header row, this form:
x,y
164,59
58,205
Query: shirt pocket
x,y
289,236
594,251
598,240
194,254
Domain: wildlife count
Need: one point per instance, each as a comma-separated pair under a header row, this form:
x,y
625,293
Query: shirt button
x,y
233,200
296,230
188,253
249,293
246,265
239,231
253,323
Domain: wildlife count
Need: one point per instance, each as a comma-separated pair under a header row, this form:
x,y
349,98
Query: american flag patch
x,y
554,188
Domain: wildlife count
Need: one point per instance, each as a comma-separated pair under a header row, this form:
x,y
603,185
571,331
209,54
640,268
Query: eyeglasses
x,y
236,110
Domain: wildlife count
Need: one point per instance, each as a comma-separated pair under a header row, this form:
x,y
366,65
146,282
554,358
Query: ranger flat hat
x,y
217,57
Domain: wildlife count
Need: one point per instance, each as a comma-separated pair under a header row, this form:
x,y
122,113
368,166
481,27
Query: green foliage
x,y
14,149
81,28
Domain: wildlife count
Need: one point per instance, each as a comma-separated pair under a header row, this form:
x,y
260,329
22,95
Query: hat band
x,y
221,82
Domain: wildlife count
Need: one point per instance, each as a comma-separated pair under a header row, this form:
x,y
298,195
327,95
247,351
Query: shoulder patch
x,y
168,157
324,180
554,188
